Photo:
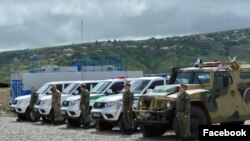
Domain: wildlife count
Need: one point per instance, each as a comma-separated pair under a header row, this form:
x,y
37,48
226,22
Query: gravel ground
x,y
11,130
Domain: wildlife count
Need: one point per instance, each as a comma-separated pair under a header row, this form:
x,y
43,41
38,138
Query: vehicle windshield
x,y
166,89
70,88
43,89
192,77
137,86
183,78
100,87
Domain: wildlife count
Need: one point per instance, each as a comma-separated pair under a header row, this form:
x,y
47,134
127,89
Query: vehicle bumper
x,y
43,110
71,112
105,114
19,108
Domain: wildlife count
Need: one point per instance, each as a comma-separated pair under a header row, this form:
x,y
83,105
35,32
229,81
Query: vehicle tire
x,y
103,126
121,125
21,116
92,122
152,131
51,117
30,116
46,119
73,122
233,123
197,117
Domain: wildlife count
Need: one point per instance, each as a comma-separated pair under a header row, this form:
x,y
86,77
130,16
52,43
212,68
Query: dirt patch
x,y
4,100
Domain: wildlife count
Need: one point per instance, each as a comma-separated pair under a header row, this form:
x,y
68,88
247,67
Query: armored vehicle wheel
x,y
152,131
233,123
197,117
30,116
103,126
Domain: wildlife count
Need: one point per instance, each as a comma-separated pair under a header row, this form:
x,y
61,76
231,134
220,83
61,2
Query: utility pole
x,y
81,29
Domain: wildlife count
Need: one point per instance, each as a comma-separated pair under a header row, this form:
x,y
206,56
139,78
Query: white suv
x,y
107,110
71,105
20,105
44,107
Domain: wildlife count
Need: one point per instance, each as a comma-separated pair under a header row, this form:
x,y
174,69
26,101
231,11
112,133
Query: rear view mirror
x,y
149,91
49,92
109,91
76,92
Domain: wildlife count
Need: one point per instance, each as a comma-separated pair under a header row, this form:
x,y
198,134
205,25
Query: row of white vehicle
x,y
105,100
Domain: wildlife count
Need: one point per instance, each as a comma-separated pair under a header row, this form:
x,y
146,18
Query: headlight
x,y
168,104
72,103
111,104
44,101
22,101
14,102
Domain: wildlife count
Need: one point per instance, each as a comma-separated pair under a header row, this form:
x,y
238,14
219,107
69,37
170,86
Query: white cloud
x,y
29,23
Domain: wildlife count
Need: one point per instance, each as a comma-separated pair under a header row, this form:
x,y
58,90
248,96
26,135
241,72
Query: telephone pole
x,y
81,29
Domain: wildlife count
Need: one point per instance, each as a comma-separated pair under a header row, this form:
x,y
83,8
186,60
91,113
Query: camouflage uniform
x,y
33,100
56,99
84,102
128,99
182,110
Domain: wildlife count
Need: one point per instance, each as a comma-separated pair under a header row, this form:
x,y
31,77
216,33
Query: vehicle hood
x,y
111,98
190,92
73,98
45,97
22,97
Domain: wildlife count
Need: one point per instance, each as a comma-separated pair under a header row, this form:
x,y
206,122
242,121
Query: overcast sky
x,y
39,23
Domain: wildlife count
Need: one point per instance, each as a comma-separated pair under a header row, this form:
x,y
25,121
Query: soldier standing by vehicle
x,y
56,99
127,115
183,106
33,100
84,106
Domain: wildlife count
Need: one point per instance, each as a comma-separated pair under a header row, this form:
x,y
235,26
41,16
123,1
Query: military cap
x,y
127,84
184,86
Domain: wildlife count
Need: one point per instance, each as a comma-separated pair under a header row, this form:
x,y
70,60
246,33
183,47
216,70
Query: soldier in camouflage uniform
x,y
33,100
56,99
183,112
84,106
127,115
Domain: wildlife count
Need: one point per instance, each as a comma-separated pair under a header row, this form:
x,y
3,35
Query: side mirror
x,y
76,92
149,91
49,92
109,91
225,81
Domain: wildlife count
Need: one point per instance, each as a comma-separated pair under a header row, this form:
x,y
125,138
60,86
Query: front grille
x,y
14,102
109,116
99,105
38,102
65,103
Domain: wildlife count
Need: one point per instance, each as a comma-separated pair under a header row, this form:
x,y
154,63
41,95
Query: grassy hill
x,y
151,55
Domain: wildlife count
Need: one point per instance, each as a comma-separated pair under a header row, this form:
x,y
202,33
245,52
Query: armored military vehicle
x,y
220,93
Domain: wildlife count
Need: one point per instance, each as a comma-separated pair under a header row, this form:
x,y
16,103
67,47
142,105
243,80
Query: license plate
x,y
36,110
96,114
63,112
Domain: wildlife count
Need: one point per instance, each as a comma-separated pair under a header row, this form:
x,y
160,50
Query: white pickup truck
x,y
71,105
43,106
20,105
107,111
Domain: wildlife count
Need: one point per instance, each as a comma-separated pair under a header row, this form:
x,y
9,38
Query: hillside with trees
x,y
151,55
